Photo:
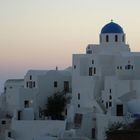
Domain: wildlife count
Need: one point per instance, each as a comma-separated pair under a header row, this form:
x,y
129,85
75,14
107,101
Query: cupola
x,y
112,34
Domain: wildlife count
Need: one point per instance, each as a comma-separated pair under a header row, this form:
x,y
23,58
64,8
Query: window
x,y
66,86
129,66
30,84
78,96
78,119
110,90
26,84
9,134
30,77
90,71
93,133
92,61
117,67
74,66
3,122
110,104
119,110
34,84
110,97
78,105
94,70
66,112
120,67
26,103
55,84
19,115
107,38
116,38
107,105
4,89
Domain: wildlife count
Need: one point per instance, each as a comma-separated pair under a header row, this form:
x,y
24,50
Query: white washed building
x,y
34,89
104,80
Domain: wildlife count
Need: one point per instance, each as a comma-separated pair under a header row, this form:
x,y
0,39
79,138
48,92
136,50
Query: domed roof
x,y
112,28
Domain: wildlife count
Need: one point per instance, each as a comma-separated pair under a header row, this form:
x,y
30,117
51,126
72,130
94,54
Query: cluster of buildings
x,y
103,87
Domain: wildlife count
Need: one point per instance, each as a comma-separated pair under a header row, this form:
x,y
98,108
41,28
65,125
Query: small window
x,y
27,85
9,134
120,67
34,84
116,38
3,122
30,77
74,66
117,67
110,104
30,84
110,90
110,97
66,112
66,86
92,61
78,119
78,96
129,66
107,105
90,71
93,133
94,70
78,105
4,89
55,84
26,104
119,110
107,38
19,115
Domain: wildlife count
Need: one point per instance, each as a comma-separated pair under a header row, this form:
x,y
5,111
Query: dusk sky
x,y
43,34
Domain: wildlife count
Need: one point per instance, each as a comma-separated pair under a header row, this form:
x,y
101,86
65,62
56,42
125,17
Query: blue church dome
x,y
112,28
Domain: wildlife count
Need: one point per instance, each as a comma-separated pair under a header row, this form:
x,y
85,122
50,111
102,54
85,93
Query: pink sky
x,y
43,34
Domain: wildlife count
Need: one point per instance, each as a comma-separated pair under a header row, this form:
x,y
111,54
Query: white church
x,y
103,86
